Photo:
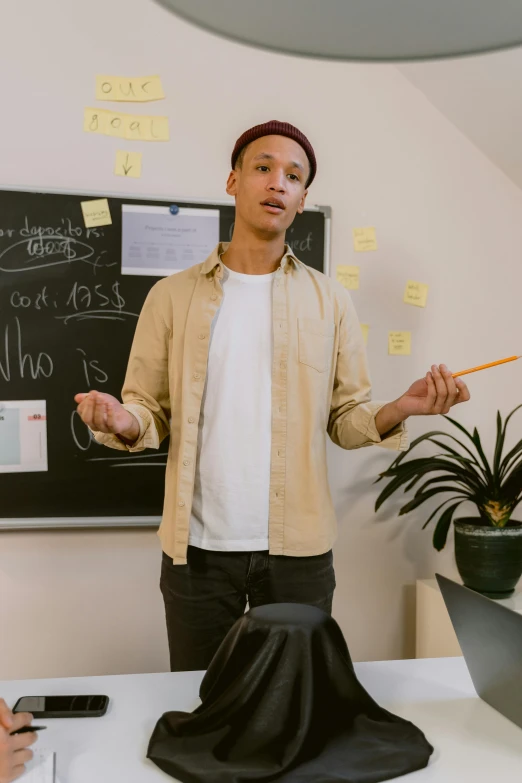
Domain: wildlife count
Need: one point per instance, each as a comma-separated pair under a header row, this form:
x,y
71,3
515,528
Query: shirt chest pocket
x,y
315,342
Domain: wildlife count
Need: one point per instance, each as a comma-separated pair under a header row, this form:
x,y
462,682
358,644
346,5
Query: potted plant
x,y
488,547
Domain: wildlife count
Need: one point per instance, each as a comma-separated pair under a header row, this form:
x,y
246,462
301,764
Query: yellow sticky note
x,y
159,129
116,124
147,128
364,239
126,126
365,329
96,213
128,164
125,88
416,293
399,343
95,120
348,276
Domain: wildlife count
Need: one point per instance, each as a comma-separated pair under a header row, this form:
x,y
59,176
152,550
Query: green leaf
x,y
433,513
435,480
404,474
460,427
465,463
510,415
459,482
440,533
511,458
419,499
478,446
414,443
403,477
514,467
437,463
499,446
513,482
468,451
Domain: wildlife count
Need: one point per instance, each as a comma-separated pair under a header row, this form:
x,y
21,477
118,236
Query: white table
x,y
473,743
434,634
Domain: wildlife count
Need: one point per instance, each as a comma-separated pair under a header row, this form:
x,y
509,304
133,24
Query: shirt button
x,y
186,462
181,503
196,376
201,336
213,297
191,419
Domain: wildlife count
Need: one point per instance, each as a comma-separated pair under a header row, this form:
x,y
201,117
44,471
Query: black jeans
x,y
205,597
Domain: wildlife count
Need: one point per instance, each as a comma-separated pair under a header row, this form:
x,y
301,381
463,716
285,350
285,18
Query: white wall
x,y
88,602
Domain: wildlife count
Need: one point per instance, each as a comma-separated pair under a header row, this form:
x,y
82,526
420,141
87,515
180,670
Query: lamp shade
x,y
373,30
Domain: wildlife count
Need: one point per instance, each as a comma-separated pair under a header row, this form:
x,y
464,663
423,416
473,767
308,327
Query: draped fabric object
x,y
281,701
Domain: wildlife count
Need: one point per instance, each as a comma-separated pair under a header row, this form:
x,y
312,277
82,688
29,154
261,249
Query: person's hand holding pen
x,y
436,393
14,749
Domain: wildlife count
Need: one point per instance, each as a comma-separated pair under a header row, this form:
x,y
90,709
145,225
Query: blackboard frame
x,y
126,521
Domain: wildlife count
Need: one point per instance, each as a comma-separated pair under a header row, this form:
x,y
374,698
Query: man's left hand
x,y
434,394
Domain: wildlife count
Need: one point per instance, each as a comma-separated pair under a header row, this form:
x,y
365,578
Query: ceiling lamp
x,y
374,30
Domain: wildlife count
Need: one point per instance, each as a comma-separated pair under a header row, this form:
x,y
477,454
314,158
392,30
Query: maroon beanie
x,y
275,128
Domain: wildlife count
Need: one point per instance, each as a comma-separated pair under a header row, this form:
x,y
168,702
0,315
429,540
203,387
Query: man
x,y
247,361
14,750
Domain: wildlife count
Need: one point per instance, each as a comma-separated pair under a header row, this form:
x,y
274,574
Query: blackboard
x,y
67,319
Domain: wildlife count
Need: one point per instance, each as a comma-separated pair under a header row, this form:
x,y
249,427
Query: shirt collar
x,y
214,259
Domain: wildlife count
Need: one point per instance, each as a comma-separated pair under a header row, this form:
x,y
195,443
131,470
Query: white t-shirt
x,y
232,482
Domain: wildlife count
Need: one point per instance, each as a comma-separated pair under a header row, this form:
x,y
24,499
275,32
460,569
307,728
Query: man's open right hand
x,y
104,413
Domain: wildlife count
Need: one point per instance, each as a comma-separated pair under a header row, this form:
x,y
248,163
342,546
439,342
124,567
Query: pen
x,y
27,729
484,366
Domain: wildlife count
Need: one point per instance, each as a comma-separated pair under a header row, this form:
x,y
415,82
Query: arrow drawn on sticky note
x,y
128,164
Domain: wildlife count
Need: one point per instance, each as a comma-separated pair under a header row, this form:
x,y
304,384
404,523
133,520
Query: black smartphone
x,y
63,706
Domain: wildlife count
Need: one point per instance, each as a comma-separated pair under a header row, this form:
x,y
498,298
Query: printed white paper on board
x,y
23,436
156,242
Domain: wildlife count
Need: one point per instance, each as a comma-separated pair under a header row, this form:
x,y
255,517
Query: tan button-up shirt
x,y
320,385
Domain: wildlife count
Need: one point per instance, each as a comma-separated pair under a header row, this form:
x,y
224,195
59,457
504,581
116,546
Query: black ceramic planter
x,y
489,559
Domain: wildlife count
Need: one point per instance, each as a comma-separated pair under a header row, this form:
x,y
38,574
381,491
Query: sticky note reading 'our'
x,y
399,343
365,328
123,88
128,164
96,213
364,239
416,293
348,276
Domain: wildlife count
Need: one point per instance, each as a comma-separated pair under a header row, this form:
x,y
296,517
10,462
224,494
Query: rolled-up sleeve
x,y
351,423
145,391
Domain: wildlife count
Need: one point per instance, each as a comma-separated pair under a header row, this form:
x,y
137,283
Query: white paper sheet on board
x,y
156,242
23,436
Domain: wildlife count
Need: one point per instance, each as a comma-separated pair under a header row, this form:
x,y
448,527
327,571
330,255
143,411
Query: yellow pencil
x,y
484,366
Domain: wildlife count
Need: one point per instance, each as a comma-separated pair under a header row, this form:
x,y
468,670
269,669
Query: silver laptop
x,y
490,636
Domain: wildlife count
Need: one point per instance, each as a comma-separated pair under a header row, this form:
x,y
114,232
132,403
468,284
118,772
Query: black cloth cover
x,y
280,701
